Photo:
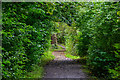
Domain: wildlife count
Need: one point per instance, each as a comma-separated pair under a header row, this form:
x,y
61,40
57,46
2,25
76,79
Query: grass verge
x,y
46,57
71,56
38,70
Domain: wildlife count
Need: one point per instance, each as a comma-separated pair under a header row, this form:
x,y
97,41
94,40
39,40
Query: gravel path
x,y
62,67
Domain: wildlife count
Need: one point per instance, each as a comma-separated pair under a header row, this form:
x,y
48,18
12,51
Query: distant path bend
x,y
62,46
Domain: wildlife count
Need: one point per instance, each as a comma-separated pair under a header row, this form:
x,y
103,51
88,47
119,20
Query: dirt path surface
x,y
62,67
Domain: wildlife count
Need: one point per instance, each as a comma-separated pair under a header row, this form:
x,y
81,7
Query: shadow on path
x,y
62,67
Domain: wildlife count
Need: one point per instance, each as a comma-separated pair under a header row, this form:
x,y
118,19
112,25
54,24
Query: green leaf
x,y
118,13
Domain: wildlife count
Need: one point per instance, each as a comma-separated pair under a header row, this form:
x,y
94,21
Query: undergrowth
x,y
71,56
38,70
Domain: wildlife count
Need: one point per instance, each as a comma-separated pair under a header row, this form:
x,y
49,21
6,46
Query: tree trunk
x,y
54,39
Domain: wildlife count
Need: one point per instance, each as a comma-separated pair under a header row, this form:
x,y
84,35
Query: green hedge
x,y
93,31
99,25
25,36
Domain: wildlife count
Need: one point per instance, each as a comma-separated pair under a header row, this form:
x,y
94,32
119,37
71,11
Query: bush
x,y
115,72
14,56
99,28
24,37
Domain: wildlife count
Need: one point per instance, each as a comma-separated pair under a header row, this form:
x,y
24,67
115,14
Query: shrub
x,y
24,37
115,72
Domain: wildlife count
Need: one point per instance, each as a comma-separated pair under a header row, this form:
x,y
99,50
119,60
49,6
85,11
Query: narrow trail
x,y
62,67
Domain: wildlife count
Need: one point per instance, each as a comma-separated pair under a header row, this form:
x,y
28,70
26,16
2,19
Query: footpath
x,y
62,67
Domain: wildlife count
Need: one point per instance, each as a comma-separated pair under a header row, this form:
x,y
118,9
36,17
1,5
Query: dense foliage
x,y
99,35
87,29
97,31
69,38
26,35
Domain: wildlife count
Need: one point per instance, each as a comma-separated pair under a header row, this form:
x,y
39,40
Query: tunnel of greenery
x,y
87,29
